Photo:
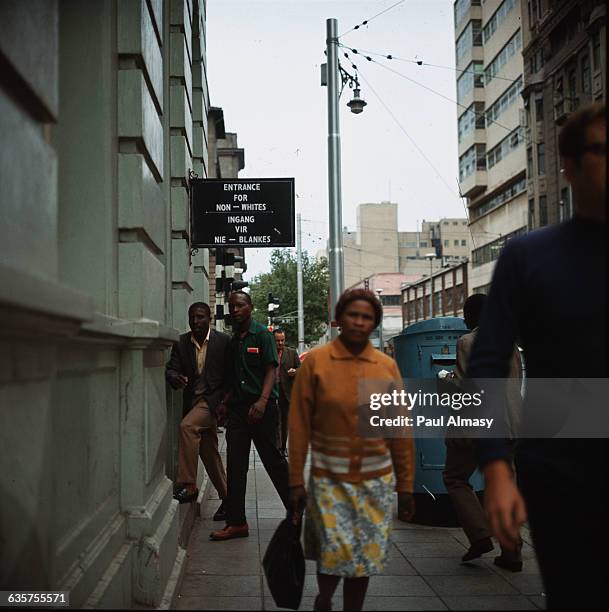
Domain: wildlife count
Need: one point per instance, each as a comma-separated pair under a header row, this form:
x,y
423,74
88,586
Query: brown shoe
x,y
230,531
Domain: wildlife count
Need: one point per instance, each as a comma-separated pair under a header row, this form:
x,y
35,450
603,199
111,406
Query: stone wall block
x,y
28,195
138,118
181,16
181,270
181,162
155,558
180,116
180,65
180,220
29,41
141,205
141,283
137,36
156,11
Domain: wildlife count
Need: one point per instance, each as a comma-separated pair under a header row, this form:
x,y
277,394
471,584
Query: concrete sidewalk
x,y
424,571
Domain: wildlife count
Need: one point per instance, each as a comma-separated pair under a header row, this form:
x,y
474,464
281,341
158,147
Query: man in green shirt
x,y
251,408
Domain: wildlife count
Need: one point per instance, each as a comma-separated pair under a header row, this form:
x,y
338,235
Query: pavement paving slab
x,y
423,572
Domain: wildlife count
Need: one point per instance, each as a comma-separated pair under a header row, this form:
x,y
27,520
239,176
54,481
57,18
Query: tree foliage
x,y
281,282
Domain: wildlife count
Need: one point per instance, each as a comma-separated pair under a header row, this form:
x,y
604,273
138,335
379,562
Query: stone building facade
x,y
565,67
103,114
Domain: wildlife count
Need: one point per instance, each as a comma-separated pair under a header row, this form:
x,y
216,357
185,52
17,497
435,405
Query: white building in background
x,y
492,159
377,246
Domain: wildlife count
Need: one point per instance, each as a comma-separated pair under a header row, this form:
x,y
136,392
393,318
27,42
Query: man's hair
x,y
351,295
472,309
247,296
202,305
278,330
572,138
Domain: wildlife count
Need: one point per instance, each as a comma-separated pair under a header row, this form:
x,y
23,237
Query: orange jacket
x,y
324,414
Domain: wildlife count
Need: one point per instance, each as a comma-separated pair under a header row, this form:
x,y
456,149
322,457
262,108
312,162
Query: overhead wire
x,y
391,56
414,143
367,21
404,76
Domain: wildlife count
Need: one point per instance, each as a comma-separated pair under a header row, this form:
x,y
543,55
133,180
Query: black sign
x,y
242,212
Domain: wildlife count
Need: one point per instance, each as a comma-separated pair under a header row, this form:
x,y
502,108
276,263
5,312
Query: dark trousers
x,y
239,437
284,407
461,463
568,510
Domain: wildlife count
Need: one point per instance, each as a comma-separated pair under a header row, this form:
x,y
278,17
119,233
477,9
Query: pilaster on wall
x,y
141,219
181,136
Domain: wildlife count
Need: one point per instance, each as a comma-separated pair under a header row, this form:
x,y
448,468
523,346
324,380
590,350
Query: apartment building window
x,y
499,198
503,57
470,37
586,75
466,123
463,242
497,19
490,251
456,243
531,213
390,300
511,142
503,102
423,243
536,61
473,76
541,158
446,242
539,109
462,8
530,162
543,211
473,159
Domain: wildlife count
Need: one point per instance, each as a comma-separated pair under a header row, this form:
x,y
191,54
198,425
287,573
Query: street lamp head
x,y
356,104
429,255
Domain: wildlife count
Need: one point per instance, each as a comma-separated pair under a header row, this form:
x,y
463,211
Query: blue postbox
x,y
421,351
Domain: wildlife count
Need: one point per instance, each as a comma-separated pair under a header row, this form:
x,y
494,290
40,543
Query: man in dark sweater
x,y
549,290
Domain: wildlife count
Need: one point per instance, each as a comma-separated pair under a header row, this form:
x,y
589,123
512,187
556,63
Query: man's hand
x,y
504,504
221,413
178,381
298,501
291,372
256,411
406,507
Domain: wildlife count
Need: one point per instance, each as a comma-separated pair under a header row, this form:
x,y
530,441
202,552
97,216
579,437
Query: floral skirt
x,y
347,525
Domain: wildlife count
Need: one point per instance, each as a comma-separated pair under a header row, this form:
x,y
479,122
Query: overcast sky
x,y
264,61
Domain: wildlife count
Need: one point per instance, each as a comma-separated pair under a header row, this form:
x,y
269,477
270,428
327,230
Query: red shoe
x,y
229,532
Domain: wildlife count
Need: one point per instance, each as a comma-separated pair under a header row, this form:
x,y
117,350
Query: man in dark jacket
x,y
198,366
286,371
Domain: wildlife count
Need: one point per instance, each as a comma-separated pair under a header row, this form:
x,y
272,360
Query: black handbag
x,y
284,565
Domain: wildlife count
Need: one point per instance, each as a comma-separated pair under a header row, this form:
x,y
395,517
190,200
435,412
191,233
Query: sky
x,y
264,58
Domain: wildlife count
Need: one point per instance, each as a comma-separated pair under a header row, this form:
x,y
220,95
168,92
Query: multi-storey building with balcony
x,y
492,161
565,66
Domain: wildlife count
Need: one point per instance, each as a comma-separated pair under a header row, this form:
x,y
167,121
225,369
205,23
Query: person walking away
x,y
349,501
461,461
252,413
198,366
550,290
289,363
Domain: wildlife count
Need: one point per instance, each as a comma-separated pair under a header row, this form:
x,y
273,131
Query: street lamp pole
x,y
299,284
335,243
